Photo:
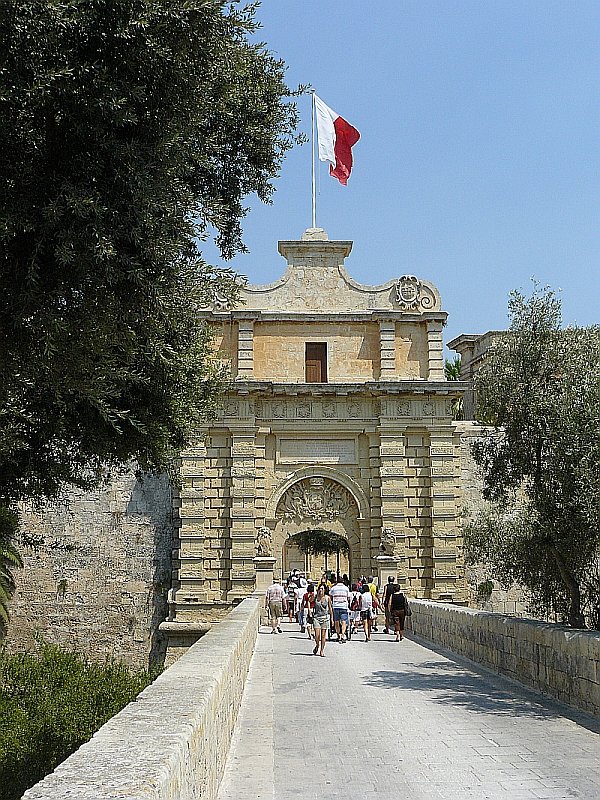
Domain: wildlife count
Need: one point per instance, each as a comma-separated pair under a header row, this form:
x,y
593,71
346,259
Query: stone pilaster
x,y
243,526
188,578
418,513
436,351
393,490
245,354
372,534
448,566
387,350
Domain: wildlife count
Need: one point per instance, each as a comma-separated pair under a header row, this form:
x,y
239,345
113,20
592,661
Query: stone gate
x,y
338,416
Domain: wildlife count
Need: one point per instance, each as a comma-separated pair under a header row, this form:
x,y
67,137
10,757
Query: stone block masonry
x,y
172,742
97,570
557,661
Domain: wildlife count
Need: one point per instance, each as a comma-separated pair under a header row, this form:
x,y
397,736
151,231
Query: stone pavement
x,y
402,721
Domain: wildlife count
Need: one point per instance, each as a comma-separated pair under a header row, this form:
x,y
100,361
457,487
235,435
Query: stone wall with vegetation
x,y
97,570
553,659
172,742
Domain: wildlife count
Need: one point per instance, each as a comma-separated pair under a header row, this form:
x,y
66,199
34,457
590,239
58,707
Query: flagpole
x,y
314,182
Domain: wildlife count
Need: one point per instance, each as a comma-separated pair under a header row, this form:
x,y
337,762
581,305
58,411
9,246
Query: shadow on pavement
x,y
469,686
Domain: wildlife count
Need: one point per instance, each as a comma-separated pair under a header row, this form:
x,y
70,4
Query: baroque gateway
x,y
338,419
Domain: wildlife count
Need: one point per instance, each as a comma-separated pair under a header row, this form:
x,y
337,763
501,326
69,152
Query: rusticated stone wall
x,y
97,570
553,659
172,742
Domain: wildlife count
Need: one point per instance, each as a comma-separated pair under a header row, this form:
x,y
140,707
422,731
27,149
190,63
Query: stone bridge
x,y
469,705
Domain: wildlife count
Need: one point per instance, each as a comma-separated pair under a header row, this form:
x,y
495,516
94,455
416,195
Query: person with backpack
x,y
387,593
366,610
397,607
354,613
308,607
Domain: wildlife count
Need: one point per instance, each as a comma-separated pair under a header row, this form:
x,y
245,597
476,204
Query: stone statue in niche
x,y
388,542
314,499
264,543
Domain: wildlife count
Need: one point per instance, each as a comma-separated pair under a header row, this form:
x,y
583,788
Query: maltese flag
x,y
336,138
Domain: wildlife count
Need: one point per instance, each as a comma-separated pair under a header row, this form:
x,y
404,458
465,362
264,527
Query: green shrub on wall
x,y
51,702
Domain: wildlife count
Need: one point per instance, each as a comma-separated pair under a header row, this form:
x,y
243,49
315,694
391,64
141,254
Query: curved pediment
x,y
316,280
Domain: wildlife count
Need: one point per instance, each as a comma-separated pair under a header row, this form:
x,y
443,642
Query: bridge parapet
x,y
556,660
172,742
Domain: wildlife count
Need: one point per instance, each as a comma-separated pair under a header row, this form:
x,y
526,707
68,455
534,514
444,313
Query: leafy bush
x,y
51,702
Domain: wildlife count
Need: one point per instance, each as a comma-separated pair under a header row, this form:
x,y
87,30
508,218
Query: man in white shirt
x,y
274,603
340,596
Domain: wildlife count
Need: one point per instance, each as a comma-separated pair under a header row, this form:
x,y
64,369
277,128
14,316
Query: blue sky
x,y
478,166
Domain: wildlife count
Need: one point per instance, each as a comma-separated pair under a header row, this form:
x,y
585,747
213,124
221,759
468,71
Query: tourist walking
x,y
354,613
308,605
387,593
397,604
274,604
291,598
366,610
322,619
340,600
374,589
299,606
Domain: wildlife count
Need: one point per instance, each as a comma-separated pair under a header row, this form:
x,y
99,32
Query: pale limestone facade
x,y
369,451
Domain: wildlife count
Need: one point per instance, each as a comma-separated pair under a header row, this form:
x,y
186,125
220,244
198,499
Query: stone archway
x,y
312,502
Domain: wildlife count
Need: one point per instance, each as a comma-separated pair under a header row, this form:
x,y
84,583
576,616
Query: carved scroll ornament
x,y
413,295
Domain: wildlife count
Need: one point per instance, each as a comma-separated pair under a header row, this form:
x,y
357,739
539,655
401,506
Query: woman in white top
x,y
366,609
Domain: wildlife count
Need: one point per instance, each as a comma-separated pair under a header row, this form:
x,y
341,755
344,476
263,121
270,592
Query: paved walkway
x,y
400,720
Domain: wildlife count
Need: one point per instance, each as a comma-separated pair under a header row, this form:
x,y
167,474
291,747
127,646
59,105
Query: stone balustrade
x,y
172,742
558,661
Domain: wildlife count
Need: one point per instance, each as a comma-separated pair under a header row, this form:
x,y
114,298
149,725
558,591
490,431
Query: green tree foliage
x,y
452,369
9,560
540,390
129,130
452,373
51,702
320,541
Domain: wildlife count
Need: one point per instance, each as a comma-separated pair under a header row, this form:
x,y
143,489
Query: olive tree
x,y
539,394
130,131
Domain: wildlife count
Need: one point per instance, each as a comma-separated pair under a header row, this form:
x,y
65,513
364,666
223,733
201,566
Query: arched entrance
x,y
315,551
316,503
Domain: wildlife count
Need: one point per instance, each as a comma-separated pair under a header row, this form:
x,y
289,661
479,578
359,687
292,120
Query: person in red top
x,y
308,606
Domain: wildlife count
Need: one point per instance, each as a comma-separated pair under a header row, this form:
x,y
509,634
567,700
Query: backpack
x,y
355,604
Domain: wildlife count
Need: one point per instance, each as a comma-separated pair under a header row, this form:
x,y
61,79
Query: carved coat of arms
x,y
314,499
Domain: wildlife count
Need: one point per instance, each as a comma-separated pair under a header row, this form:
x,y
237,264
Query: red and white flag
x,y
336,138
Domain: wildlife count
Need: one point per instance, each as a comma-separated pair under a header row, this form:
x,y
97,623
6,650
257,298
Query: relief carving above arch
x,y
315,499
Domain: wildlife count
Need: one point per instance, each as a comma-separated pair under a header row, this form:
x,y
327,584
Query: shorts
x,y
275,609
340,614
366,614
321,623
398,617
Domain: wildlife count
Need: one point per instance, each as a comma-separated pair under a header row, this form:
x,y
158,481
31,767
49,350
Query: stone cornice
x,y
369,388
330,318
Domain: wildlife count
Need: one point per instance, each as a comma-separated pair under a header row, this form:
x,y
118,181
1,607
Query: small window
x,y
315,361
